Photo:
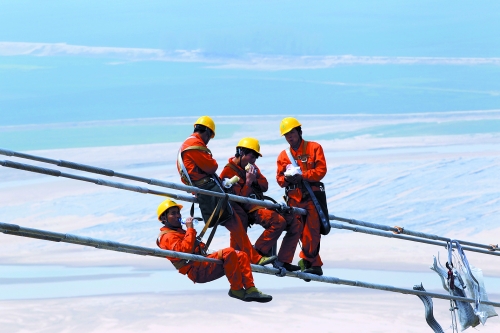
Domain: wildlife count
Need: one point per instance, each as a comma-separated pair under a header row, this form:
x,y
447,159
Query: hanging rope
x,y
13,229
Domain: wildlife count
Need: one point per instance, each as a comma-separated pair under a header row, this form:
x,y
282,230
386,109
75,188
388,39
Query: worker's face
x,y
248,158
293,138
173,216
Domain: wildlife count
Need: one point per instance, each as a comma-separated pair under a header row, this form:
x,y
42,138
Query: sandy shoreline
x,y
325,310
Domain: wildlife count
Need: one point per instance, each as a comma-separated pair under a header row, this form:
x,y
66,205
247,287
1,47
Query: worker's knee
x,y
241,255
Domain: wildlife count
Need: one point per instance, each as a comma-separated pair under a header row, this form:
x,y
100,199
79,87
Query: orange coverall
x,y
270,220
236,266
200,164
313,165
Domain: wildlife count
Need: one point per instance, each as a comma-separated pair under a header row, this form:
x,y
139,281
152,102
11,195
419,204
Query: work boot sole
x,y
313,271
258,298
291,268
234,296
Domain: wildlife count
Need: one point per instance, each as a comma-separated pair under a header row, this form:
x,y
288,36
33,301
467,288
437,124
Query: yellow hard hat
x,y
288,124
208,122
165,205
250,143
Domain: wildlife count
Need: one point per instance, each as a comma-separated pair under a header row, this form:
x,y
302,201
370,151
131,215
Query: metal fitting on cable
x,y
399,230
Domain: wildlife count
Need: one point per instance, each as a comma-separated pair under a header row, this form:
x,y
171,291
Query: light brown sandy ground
x,y
307,310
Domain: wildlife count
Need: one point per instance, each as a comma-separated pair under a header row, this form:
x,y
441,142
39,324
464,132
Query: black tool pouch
x,y
208,203
321,197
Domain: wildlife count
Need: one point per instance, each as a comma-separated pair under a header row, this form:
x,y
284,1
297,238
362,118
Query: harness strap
x,y
304,150
223,203
163,232
324,220
219,254
240,172
257,192
207,223
183,171
178,264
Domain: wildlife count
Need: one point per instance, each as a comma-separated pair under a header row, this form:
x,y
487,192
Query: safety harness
x,y
182,262
180,163
215,217
325,222
257,192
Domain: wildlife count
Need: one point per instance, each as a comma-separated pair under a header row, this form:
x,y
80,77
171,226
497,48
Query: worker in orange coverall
x,y
253,184
235,265
311,159
197,167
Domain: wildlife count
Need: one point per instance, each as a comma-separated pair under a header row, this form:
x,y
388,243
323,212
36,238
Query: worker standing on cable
x,y
197,167
236,265
253,184
307,164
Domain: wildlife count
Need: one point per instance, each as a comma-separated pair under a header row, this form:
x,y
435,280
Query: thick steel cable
x,y
13,229
409,232
128,187
370,231
190,189
57,173
156,182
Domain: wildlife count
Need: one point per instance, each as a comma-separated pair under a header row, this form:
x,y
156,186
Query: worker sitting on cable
x,y
304,161
253,184
235,265
197,167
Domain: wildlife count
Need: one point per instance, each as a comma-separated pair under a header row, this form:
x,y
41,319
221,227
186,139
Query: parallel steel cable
x,y
13,229
57,173
156,182
370,231
409,232
190,189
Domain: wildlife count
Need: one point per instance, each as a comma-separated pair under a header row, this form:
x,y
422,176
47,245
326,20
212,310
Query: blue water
x,y
68,87
161,130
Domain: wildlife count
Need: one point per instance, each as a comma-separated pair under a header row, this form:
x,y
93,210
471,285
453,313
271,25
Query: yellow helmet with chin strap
x,y
207,122
165,205
288,124
250,143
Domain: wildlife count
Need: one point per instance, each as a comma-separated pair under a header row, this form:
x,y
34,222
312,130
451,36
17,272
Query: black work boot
x,y
314,270
291,267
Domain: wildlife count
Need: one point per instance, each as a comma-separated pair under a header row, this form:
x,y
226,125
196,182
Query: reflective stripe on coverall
x,y
313,165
